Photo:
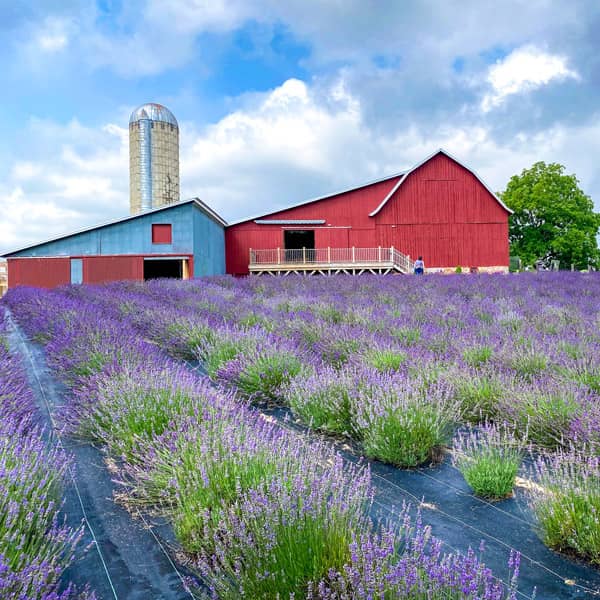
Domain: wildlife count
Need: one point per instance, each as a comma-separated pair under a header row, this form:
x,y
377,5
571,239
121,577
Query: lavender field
x,y
240,410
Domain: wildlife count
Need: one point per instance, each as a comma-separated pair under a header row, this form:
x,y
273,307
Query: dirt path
x,y
127,558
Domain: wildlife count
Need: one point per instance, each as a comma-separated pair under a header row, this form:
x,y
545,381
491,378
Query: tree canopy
x,y
553,218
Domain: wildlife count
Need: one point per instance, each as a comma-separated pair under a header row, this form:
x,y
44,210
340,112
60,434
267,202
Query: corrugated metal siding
x,y
209,246
100,269
39,272
348,209
127,237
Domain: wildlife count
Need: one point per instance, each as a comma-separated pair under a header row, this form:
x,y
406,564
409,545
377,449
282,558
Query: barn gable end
x,y
442,211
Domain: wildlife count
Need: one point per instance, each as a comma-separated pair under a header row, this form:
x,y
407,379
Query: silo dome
x,y
153,112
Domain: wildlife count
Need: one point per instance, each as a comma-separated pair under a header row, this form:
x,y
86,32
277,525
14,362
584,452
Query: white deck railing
x,y
330,257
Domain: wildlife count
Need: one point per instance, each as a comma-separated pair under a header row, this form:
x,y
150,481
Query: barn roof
x,y
330,195
440,151
196,201
402,175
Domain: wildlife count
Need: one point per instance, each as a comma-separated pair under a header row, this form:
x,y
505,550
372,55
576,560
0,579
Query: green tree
x,y
553,219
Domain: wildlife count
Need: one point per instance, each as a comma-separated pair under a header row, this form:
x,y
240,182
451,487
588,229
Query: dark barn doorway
x,y
294,239
169,268
299,245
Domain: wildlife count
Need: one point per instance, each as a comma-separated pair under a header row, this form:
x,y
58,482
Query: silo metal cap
x,y
153,112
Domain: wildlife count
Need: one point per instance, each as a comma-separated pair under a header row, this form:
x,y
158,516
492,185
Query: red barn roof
x,y
401,177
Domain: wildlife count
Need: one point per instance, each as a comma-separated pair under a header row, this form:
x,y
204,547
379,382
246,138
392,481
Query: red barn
x,y
439,209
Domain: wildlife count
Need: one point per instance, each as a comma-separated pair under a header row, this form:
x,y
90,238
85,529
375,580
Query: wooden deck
x,y
329,261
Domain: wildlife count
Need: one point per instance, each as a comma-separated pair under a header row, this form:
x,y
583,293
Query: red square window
x,y
162,234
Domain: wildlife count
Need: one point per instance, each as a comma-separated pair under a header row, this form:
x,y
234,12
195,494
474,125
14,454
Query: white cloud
x,y
525,69
78,178
52,35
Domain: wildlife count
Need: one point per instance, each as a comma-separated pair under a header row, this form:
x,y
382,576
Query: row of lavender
x,y
262,512
396,364
35,547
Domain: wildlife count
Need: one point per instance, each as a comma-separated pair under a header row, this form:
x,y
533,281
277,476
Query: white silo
x,y
153,158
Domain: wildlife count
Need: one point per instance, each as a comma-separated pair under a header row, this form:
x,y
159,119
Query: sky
x,y
279,102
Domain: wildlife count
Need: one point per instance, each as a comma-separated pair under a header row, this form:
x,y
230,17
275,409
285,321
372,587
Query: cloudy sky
x,y
281,101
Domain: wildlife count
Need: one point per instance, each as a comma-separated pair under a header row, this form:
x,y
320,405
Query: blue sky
x,y
281,101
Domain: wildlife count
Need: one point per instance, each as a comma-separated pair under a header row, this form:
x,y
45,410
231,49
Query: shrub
x,y
322,399
478,394
545,412
183,337
403,422
407,335
279,537
261,374
34,546
489,460
407,562
122,408
384,359
566,503
528,363
337,351
225,346
476,356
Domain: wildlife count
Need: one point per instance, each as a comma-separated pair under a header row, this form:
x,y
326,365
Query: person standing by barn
x,y
419,266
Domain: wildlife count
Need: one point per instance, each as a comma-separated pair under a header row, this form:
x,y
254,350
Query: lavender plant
x,y
566,500
489,459
408,562
35,547
322,398
282,535
403,421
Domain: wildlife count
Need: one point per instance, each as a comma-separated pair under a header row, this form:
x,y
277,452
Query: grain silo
x,y
153,158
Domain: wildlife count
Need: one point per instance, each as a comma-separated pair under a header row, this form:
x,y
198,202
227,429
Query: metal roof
x,y
344,191
201,205
153,112
289,221
442,151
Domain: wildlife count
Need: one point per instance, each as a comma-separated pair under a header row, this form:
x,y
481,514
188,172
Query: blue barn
x,y
184,239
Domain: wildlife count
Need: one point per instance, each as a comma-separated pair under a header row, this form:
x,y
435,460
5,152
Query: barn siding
x,y
349,211
443,213
100,269
209,246
116,251
39,272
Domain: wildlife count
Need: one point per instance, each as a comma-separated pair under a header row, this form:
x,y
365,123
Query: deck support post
x,y
278,256
303,255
